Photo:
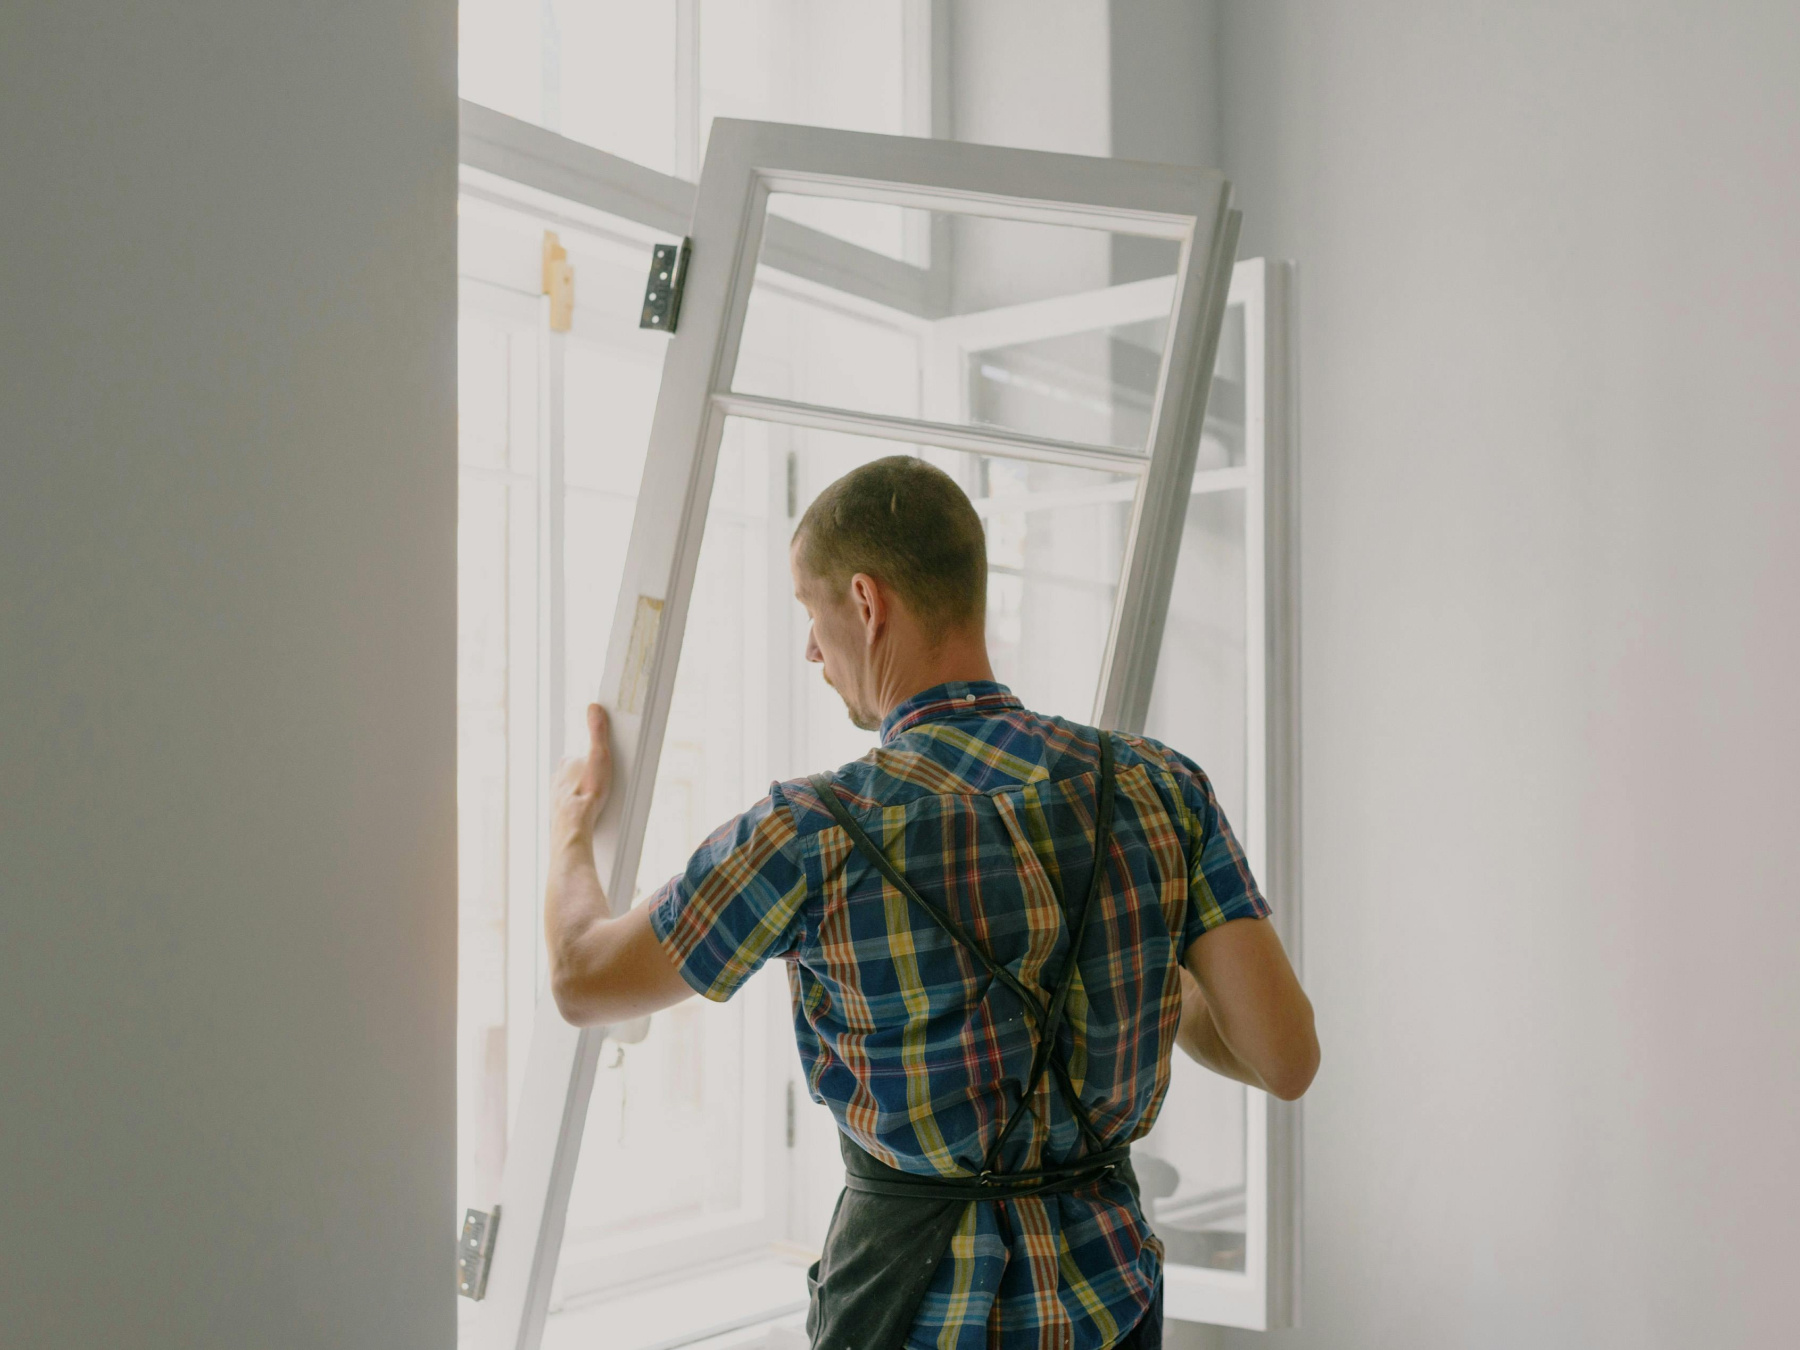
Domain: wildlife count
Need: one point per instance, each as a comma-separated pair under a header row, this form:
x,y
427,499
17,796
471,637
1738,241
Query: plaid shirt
x,y
918,1054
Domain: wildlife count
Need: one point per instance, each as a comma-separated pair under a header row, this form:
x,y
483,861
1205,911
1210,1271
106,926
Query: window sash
x,y
746,161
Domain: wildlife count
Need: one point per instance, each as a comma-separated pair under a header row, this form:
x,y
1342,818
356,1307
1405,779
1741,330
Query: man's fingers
x,y
598,769
599,736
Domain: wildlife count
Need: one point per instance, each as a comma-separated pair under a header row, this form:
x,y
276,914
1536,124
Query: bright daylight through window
x,y
702,1150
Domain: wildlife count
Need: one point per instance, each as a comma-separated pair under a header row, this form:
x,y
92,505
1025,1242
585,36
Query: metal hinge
x,y
559,283
662,293
475,1252
792,1119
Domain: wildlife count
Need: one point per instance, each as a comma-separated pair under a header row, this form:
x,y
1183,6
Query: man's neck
x,y
958,660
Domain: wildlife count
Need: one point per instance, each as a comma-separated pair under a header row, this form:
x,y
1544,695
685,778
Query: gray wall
x,y
1550,317
227,663
1165,100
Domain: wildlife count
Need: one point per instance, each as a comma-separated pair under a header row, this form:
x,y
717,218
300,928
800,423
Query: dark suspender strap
x,y
866,846
1048,1020
1047,1054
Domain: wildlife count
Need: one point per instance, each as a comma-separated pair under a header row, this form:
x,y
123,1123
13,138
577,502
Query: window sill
x,y
741,1304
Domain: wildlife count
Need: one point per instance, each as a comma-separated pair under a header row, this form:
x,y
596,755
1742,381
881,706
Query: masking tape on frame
x,y
638,654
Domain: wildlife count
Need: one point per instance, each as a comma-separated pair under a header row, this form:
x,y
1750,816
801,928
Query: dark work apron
x,y
892,1228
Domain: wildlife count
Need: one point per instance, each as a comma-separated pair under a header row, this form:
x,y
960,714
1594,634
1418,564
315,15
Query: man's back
x,y
920,1054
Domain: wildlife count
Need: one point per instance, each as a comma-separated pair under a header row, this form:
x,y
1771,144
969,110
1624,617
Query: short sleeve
x,y
1220,886
738,902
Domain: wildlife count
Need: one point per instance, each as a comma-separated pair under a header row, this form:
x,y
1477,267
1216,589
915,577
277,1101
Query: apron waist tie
x,y
871,1176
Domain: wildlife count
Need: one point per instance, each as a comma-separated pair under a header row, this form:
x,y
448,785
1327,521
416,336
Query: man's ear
x,y
870,602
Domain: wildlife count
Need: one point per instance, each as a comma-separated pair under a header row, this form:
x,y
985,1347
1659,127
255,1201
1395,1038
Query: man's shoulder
x,y
1156,755
879,780
985,757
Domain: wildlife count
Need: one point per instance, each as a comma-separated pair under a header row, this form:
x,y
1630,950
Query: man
x,y
928,899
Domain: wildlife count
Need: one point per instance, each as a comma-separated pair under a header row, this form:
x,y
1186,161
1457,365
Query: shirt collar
x,y
955,699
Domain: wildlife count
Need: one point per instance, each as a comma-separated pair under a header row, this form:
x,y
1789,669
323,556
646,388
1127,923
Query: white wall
x,y
1550,317
1029,73
227,637
1164,98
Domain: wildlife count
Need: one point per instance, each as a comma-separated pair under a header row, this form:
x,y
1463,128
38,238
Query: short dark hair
x,y
907,524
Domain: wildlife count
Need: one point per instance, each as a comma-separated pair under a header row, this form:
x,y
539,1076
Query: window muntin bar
x,y
977,440
971,200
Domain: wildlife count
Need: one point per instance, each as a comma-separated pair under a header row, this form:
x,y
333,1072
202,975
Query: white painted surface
x,y
227,674
729,1304
1549,304
1031,74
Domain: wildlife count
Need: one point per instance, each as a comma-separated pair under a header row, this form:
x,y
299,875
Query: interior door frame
x,y
531,450
745,163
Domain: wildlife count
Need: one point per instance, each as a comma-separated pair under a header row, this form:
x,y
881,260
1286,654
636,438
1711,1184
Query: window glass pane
x,y
896,231
1222,440
1199,702
632,80
1191,1168
677,1152
664,1138
1097,386
797,347
610,375
823,736
1058,367
1056,545
612,79
606,74
1195,1198
609,400
673,1157
717,759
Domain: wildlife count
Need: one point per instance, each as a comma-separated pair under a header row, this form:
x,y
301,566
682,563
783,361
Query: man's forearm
x,y
576,910
1199,1037
603,970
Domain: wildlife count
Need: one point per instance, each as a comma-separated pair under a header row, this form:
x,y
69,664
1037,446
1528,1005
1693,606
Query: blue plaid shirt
x,y
918,1054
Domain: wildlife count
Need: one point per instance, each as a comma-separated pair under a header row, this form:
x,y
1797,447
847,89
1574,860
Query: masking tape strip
x,y
638,653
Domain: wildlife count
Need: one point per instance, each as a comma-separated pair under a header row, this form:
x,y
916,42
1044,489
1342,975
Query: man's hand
x,y
581,786
602,969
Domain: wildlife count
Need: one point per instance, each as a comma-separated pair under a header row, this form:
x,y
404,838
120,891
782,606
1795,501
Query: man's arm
x,y
1243,1013
602,969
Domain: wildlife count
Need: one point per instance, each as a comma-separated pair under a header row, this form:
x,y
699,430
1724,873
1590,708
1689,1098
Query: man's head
x,y
891,564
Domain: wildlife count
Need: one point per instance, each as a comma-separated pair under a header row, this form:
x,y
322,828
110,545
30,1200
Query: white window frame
x,y
495,290
504,289
746,162
521,318
525,167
